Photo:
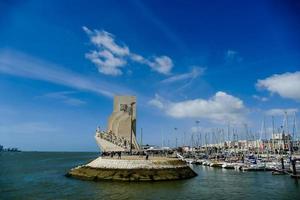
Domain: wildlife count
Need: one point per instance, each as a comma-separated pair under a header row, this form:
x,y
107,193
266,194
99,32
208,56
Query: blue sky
x,y
219,62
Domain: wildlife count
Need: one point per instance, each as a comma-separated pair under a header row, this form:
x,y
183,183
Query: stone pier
x,y
133,168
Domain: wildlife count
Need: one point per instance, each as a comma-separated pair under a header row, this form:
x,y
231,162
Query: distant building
x,y
281,141
1,148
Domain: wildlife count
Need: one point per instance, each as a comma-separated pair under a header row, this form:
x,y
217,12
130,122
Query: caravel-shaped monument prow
x,y
121,126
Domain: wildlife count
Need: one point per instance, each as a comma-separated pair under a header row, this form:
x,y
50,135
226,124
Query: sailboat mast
x,y
228,131
286,124
141,142
265,130
273,132
294,126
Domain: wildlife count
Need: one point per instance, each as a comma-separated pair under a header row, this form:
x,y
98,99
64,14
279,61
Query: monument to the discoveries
x,y
120,137
121,127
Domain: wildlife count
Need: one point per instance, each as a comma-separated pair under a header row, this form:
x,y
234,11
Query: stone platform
x,y
133,168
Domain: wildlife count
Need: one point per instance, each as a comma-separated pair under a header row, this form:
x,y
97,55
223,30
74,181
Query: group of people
x,y
119,154
111,137
111,154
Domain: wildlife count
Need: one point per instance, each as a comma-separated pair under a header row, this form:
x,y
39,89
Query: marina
x,y
276,151
275,166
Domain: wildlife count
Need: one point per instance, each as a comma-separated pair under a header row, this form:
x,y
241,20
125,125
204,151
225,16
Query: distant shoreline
x,y
51,152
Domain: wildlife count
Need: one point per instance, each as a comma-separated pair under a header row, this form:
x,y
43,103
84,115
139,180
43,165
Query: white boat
x,y
255,167
238,166
206,163
228,166
190,161
199,162
216,164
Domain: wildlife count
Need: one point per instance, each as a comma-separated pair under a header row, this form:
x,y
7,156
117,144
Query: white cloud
x,y
110,57
196,71
281,111
263,99
287,85
105,40
107,62
137,58
162,64
22,65
222,107
65,96
157,102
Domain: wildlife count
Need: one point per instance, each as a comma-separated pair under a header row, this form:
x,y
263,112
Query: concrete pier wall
x,y
133,169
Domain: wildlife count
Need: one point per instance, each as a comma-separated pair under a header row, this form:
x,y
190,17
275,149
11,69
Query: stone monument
x,y
120,137
121,127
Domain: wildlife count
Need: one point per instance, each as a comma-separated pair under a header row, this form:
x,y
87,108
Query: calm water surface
x,y
36,175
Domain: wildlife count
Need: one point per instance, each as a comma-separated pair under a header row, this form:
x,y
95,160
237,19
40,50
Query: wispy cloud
x,y
196,129
5,111
28,128
110,57
281,111
157,101
22,65
162,27
196,72
259,98
232,56
287,85
220,108
65,97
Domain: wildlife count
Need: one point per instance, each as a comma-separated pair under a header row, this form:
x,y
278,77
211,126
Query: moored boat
x,y
228,166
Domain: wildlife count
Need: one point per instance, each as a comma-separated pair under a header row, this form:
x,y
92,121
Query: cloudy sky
x,y
216,62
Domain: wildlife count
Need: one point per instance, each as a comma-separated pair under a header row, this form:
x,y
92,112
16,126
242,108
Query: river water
x,y
40,175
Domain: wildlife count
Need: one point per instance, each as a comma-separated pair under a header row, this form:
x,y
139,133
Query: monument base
x,y
133,168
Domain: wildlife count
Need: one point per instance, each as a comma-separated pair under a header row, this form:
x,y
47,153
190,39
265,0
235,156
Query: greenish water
x,y
36,175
